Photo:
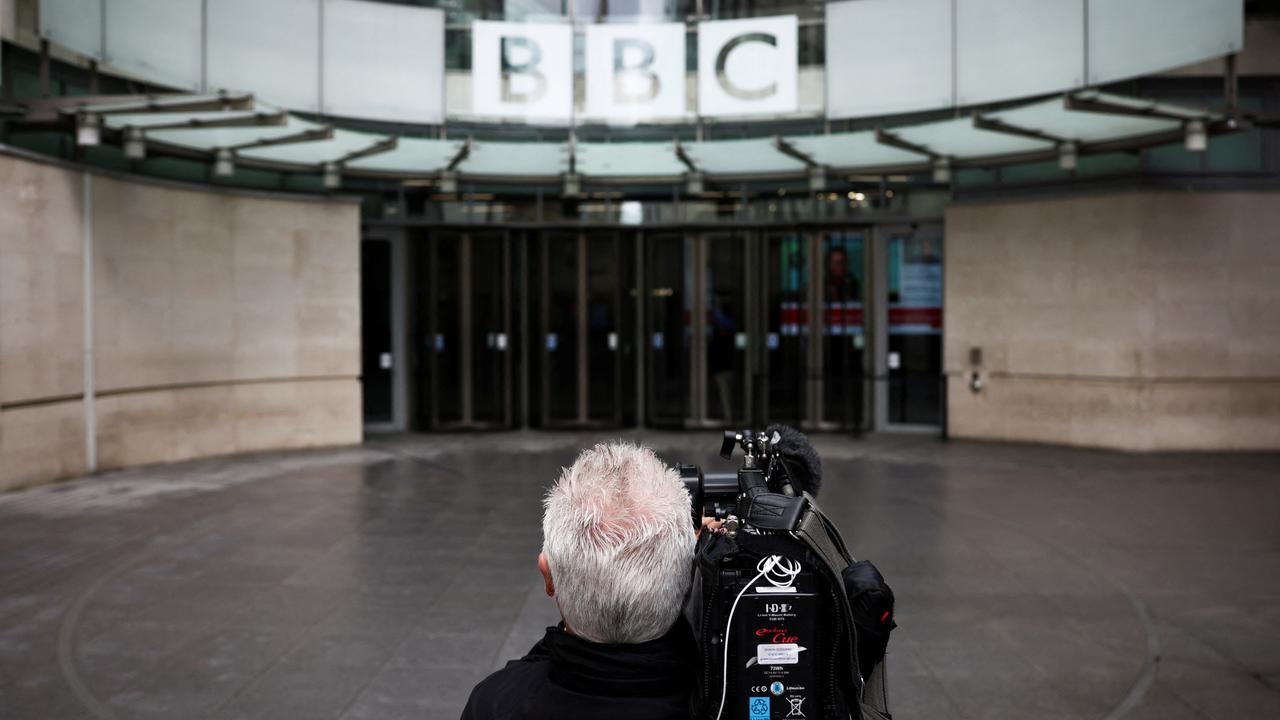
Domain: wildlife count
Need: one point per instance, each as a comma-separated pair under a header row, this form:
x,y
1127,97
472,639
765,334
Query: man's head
x,y
617,547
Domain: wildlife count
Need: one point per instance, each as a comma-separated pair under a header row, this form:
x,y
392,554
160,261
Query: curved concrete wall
x,y
1140,320
221,322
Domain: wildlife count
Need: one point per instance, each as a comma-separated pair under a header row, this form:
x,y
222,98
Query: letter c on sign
x,y
528,67
723,56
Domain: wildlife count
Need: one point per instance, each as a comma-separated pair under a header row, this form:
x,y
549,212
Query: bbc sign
x,y
634,72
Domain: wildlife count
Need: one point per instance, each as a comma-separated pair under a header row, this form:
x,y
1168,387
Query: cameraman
x,y
616,557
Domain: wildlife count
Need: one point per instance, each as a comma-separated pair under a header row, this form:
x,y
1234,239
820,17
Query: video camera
x,y
728,496
770,604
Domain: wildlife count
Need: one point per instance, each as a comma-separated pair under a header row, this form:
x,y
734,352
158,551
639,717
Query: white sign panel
x,y
635,72
747,67
522,70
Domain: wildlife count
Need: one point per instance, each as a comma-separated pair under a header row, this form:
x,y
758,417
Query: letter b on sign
x,y
747,67
635,72
522,70
520,59
632,60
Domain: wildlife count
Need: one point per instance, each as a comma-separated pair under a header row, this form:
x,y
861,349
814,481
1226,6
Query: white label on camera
x,y
778,654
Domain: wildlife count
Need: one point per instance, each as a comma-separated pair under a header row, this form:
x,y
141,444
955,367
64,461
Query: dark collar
x,y
662,666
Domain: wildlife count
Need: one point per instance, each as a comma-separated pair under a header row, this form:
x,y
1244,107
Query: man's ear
x,y
545,569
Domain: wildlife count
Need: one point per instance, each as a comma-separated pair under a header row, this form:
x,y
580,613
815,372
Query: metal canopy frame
x,y
885,137
278,119
58,111
983,122
387,144
309,135
45,110
786,148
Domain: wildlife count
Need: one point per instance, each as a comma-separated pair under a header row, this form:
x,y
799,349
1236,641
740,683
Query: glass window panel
x,y
489,332
159,40
73,24
1017,48
726,328
787,327
603,338
871,71
271,48
560,338
1128,38
446,339
915,327
383,62
668,266
843,327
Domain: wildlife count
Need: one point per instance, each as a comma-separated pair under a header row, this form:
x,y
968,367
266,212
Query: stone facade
x,y
1143,320
223,322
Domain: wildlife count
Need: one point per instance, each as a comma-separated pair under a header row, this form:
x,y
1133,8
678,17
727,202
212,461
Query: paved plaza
x,y
381,582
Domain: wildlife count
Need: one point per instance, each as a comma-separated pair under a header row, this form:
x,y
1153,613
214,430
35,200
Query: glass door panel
x,y
490,329
725,334
668,283
559,344
786,327
603,339
843,328
375,323
915,327
444,308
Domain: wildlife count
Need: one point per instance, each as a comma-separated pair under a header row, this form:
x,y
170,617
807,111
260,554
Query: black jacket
x,y
565,677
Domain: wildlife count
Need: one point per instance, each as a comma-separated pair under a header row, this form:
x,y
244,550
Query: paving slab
x,y
384,581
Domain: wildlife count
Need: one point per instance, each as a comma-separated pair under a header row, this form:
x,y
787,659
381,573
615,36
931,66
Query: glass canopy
x,y
275,139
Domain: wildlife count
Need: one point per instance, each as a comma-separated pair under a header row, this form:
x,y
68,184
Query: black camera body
x,y
764,611
764,472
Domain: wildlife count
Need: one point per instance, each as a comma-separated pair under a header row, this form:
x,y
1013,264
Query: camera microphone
x,y
804,467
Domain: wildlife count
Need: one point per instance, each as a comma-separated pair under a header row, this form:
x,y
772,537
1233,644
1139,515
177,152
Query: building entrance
x,y
825,328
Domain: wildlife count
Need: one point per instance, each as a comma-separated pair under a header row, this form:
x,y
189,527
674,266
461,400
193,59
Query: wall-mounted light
x,y
1197,139
135,145
942,170
448,181
88,129
224,163
1068,156
332,176
572,185
817,178
693,183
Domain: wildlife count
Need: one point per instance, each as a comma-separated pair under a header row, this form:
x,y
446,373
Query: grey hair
x,y
617,535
